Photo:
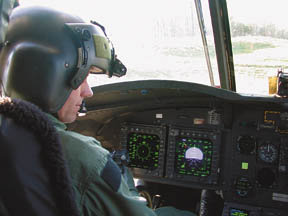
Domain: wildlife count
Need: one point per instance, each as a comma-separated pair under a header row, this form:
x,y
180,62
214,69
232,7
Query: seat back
x,y
34,176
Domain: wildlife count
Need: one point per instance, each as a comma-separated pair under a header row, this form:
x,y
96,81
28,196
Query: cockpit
x,y
197,137
203,106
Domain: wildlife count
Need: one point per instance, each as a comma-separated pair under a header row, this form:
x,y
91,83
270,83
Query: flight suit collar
x,y
58,124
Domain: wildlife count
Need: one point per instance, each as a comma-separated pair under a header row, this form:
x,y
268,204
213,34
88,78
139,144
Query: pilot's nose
x,y
86,90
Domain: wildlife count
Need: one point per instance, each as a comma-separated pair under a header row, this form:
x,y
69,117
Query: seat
x,y
211,203
34,176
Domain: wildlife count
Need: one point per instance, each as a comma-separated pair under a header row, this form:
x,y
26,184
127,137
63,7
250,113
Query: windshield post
x,y
223,46
204,40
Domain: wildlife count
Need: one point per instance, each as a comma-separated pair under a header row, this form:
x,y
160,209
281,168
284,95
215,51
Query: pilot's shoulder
x,y
74,136
84,150
85,154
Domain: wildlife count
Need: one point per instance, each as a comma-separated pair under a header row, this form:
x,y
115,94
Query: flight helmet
x,y
48,53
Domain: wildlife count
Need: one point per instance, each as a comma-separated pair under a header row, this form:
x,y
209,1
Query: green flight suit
x,y
97,181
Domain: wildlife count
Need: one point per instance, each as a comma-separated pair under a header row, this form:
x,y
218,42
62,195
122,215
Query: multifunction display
x,y
180,155
193,156
238,212
143,150
145,146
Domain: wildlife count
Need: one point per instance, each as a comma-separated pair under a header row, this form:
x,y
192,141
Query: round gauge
x,y
268,152
266,177
246,144
242,186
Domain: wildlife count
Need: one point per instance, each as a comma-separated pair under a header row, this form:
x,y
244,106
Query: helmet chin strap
x,y
83,110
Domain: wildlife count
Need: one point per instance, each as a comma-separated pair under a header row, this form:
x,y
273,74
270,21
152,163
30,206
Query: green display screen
x,y
143,150
238,212
193,156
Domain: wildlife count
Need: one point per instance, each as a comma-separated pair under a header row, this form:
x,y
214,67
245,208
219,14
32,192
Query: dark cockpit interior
x,y
195,136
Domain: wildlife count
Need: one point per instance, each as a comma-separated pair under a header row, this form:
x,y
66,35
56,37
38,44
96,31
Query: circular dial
x,y
266,177
242,186
268,152
246,144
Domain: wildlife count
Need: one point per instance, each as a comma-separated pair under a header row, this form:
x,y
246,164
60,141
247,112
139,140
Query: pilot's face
x,y
68,113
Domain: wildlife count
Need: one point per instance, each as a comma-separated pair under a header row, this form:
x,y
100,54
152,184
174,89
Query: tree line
x,y
269,30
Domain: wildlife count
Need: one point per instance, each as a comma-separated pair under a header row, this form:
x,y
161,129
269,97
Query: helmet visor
x,y
95,51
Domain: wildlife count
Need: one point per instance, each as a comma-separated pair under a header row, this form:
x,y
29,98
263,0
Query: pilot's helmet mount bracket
x,y
94,49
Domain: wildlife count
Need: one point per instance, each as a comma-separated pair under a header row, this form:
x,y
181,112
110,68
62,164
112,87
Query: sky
x,y
247,11
259,11
117,15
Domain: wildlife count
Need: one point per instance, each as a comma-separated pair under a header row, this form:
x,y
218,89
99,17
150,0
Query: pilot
x,y
46,60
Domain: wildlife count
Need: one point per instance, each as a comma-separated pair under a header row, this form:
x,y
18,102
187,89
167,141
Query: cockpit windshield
x,y
170,39
259,34
154,39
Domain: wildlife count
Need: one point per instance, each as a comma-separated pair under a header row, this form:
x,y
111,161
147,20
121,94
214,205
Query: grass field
x,y
255,59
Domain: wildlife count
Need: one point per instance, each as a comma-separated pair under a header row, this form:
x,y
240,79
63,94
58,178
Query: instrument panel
x,y
195,136
247,162
258,170
173,153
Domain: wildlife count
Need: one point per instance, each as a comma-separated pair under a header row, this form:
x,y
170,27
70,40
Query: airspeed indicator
x,y
268,152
